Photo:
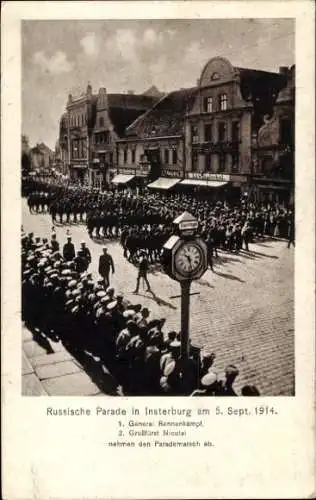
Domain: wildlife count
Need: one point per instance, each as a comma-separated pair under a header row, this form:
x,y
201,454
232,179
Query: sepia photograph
x,y
158,207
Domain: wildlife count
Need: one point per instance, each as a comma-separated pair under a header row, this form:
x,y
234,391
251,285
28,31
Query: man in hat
x,y
226,385
86,253
209,385
106,265
142,273
54,243
69,250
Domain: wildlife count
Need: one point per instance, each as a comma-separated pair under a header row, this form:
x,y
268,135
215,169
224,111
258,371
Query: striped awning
x,y
164,183
201,182
122,178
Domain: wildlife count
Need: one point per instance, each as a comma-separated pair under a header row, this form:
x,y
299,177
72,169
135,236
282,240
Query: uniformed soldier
x,y
69,250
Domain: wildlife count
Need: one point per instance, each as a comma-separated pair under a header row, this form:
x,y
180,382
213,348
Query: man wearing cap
x,y
86,253
54,243
69,250
106,265
142,273
226,385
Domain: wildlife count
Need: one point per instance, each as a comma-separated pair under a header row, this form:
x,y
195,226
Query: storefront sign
x,y
208,177
174,173
139,172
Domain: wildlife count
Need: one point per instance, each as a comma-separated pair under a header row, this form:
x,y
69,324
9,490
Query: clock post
x,y
184,260
185,318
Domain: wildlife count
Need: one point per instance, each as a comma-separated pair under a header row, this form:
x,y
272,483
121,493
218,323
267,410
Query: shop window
x,y
235,131
194,161
223,102
208,132
166,156
133,155
208,104
101,122
222,159
222,131
194,134
208,162
174,157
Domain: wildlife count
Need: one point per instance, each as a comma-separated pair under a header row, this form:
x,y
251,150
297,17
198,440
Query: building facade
x,y
41,157
274,148
224,122
153,147
90,128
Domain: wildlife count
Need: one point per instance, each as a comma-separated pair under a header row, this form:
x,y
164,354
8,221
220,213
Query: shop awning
x,y
201,182
164,183
122,178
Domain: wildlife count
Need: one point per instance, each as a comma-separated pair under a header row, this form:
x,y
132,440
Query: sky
x,y
61,57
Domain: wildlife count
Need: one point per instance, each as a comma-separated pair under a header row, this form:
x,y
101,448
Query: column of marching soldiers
x,y
61,300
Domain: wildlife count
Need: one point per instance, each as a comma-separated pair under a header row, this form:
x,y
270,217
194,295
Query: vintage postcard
x,y
158,201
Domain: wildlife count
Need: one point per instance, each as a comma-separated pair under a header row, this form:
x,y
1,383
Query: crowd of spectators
x,y
66,305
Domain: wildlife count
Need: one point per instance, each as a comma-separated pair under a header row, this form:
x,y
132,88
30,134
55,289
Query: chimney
x,y
198,82
130,92
69,98
283,70
89,89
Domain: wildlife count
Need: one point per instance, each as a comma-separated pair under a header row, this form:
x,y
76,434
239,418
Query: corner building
x,y
227,113
89,130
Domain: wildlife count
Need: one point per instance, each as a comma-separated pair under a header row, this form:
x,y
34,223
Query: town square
x,y
158,224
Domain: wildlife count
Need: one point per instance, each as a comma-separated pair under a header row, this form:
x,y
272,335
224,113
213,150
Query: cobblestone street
x,y
244,311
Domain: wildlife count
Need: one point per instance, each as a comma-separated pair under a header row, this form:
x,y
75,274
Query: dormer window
x,y
215,76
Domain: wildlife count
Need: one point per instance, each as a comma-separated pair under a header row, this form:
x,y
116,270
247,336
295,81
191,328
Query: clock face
x,y
188,259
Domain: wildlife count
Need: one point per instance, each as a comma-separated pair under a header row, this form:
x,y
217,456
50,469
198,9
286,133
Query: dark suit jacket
x,y
105,264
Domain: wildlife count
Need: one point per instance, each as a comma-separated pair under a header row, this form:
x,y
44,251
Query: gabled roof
x,y
166,118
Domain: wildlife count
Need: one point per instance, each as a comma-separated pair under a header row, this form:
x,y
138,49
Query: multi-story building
x,y
114,113
41,158
274,146
153,146
89,130
228,111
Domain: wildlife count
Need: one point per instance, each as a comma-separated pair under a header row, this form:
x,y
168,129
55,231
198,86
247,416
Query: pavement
x,y
244,312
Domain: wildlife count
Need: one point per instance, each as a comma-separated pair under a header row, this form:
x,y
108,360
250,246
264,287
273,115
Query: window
x,y
133,155
221,163
174,157
111,158
194,161
286,136
222,129
125,156
166,157
223,102
101,122
194,134
235,162
208,104
208,162
235,131
208,132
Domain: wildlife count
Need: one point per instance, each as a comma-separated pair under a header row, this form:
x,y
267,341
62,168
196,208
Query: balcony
x,y
218,147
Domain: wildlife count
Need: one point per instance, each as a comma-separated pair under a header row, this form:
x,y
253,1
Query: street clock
x,y
184,259
184,254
